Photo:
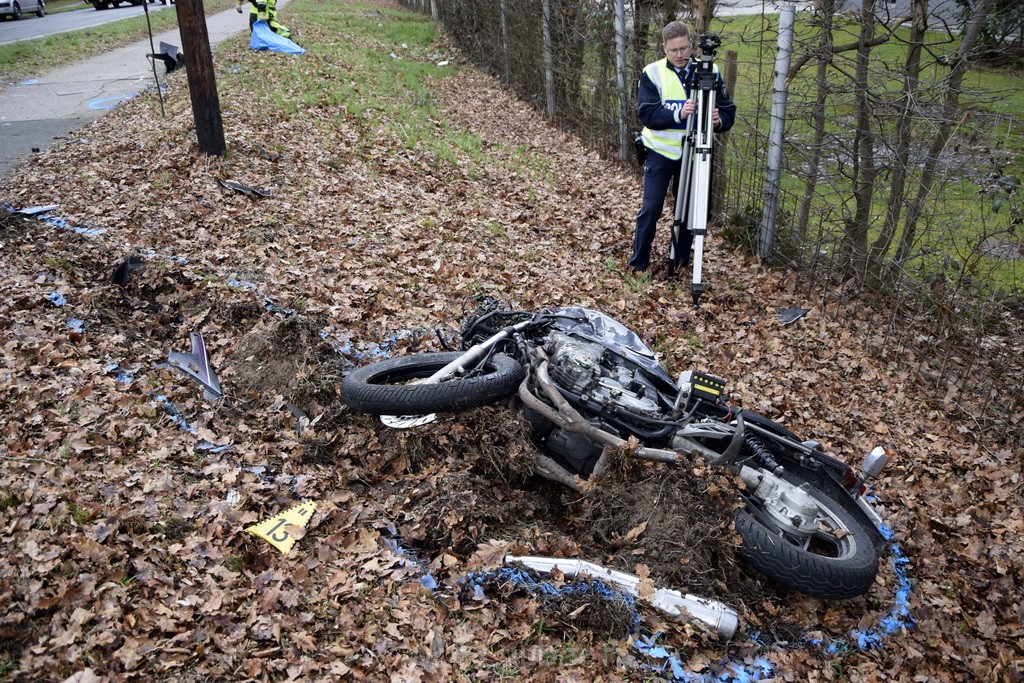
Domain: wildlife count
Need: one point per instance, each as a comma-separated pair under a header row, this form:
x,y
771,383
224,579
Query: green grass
x,y
374,65
60,6
958,217
35,57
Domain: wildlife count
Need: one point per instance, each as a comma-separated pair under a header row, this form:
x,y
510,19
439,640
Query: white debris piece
x,y
716,616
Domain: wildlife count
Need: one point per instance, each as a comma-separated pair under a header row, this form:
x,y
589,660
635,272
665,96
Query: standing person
x,y
663,103
265,10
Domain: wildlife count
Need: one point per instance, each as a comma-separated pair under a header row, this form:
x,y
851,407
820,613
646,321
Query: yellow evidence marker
x,y
280,530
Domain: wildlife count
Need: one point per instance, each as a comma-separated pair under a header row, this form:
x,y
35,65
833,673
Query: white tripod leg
x,y
701,190
682,213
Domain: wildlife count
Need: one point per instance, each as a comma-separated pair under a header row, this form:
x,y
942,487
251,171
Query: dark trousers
x,y
660,174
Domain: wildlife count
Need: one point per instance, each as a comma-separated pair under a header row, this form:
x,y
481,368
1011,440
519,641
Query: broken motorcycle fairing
x,y
590,388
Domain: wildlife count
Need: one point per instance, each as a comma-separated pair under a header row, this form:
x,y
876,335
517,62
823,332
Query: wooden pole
x,y
202,85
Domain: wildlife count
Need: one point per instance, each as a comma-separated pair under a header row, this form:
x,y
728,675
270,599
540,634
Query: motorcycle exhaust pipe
x,y
719,618
567,417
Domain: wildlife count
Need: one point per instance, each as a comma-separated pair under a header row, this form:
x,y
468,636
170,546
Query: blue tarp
x,y
263,38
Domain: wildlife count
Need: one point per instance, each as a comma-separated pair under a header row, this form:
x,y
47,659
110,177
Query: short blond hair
x,y
674,29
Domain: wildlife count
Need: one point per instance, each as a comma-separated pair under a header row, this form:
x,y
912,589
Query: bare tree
x,y
950,106
855,237
904,132
824,53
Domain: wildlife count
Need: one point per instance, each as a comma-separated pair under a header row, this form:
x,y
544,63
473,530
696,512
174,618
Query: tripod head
x,y
702,71
709,43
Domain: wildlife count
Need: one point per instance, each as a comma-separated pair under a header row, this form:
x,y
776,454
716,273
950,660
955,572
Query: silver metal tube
x,y
474,354
716,616
574,422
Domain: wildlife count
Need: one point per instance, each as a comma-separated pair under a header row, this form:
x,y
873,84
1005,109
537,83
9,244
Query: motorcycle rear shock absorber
x,y
762,455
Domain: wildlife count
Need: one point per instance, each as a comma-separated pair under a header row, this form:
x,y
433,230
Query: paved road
x,y
36,112
35,27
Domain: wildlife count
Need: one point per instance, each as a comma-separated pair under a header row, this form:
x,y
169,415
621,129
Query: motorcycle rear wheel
x,y
836,565
387,388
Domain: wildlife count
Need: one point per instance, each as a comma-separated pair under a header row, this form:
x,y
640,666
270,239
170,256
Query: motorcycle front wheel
x,y
389,387
837,563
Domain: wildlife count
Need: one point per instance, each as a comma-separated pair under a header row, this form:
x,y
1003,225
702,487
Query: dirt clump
x,y
287,357
675,520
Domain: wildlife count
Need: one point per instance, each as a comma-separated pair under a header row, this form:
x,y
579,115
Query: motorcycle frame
x,y
538,386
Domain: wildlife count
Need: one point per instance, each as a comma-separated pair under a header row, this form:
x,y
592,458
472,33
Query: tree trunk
x,y
828,8
506,57
642,12
568,44
776,134
719,178
949,118
904,131
855,238
549,68
622,93
703,13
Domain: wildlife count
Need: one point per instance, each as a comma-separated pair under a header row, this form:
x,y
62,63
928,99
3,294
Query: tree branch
x,y
834,51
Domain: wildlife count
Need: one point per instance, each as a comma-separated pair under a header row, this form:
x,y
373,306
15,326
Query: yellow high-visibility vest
x,y
667,142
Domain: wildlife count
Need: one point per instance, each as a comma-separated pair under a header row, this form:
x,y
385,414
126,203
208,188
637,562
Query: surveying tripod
x,y
695,170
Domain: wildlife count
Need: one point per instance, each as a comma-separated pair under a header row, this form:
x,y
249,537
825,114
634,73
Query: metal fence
x,y
953,301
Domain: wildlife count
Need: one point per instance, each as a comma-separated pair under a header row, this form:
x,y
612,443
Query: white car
x,y
15,8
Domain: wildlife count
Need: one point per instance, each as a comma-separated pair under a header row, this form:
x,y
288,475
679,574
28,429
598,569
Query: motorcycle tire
x,y
383,388
837,567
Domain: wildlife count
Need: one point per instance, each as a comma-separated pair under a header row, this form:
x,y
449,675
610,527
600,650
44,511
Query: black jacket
x,y
657,116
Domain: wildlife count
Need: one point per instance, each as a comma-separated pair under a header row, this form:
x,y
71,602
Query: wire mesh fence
x,y
898,185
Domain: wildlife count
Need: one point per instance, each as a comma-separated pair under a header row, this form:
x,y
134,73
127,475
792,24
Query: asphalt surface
x,y
38,111
32,26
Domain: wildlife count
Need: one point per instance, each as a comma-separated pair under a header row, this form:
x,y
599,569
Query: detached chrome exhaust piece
x,y
715,616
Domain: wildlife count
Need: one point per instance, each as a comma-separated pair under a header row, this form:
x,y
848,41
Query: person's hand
x,y
716,118
688,108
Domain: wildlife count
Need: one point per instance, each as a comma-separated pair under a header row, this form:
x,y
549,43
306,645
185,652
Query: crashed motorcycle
x,y
592,390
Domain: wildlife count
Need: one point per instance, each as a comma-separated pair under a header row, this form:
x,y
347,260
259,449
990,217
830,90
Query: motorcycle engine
x,y
584,370
577,367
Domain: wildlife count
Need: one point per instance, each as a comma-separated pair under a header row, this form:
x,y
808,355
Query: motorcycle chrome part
x,y
874,462
566,417
197,366
792,509
572,364
720,618
685,385
407,421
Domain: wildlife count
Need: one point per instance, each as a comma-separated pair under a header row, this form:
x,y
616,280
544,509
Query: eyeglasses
x,y
679,50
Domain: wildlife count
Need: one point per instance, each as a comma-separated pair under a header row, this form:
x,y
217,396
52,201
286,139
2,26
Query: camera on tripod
x,y
709,42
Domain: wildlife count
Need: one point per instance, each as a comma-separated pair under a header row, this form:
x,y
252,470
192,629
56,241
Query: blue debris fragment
x,y
264,38
42,213
123,376
268,303
899,617
595,588
408,558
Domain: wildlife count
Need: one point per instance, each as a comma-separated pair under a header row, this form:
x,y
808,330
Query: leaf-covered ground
x,y
124,491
